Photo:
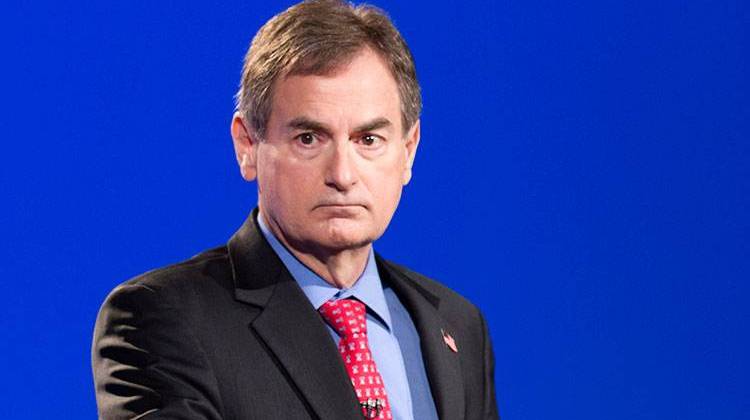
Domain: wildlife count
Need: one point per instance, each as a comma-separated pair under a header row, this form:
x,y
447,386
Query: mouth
x,y
340,205
341,209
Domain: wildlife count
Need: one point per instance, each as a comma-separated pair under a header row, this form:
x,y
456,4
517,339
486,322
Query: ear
x,y
411,143
245,146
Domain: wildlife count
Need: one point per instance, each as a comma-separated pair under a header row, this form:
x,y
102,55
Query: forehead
x,y
362,88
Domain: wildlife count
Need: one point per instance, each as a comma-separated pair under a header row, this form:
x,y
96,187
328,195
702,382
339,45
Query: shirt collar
x,y
368,288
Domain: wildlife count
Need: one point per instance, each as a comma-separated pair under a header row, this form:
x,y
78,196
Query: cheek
x,y
285,185
391,175
271,179
388,187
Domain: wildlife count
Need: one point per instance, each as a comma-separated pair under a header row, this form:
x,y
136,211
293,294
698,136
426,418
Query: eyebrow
x,y
308,124
375,124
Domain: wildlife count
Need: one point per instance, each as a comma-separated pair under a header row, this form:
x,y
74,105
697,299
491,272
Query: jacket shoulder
x,y
149,349
451,303
208,269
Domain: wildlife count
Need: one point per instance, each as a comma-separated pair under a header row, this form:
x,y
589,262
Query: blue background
x,y
583,177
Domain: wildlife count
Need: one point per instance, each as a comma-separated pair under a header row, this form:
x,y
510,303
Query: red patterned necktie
x,y
347,317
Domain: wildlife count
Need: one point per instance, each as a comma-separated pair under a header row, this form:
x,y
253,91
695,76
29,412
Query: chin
x,y
344,237
344,242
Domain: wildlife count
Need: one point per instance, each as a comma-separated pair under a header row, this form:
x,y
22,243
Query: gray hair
x,y
317,37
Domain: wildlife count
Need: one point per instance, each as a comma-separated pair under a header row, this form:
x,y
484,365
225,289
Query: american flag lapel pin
x,y
449,341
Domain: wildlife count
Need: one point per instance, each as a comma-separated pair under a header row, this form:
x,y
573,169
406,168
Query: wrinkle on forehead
x,y
349,97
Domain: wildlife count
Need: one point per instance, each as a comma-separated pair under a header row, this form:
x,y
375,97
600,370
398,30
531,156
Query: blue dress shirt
x,y
393,339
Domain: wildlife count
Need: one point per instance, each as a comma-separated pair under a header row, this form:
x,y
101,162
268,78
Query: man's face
x,y
334,159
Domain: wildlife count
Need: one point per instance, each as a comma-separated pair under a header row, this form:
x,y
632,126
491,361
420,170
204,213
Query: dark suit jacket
x,y
229,334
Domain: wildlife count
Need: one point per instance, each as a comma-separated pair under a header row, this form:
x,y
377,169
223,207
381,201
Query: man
x,y
297,317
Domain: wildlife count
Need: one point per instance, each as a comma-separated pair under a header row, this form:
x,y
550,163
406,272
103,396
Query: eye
x,y
307,139
370,140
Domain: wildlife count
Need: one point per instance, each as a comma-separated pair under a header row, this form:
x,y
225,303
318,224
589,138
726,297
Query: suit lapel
x,y
298,338
290,327
442,364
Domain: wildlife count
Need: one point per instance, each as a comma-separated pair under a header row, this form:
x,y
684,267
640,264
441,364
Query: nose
x,y
341,171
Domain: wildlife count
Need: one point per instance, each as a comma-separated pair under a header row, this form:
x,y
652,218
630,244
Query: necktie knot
x,y
346,316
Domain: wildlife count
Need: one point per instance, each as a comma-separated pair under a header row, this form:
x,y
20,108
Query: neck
x,y
339,268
